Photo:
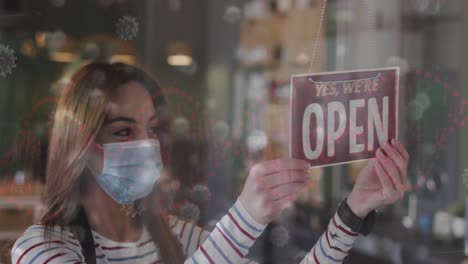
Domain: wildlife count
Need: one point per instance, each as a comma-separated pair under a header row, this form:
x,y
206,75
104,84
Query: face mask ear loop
x,y
101,148
92,171
102,154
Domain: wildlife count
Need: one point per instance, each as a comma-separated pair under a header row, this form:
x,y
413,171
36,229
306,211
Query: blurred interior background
x,y
225,67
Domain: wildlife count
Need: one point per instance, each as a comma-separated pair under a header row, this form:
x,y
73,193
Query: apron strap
x,y
80,227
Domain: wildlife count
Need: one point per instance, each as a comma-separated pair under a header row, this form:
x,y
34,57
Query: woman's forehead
x,y
131,100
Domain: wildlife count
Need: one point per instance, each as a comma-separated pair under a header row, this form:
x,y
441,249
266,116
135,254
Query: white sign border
x,y
397,99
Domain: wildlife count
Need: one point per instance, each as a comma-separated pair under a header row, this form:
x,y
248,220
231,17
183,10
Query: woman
x,y
105,157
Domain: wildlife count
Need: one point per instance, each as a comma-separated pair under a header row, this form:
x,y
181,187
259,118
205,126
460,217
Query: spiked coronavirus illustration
x,y
200,194
57,3
189,212
127,27
232,14
279,236
7,60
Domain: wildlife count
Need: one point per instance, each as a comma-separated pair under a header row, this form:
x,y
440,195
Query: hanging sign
x,y
341,117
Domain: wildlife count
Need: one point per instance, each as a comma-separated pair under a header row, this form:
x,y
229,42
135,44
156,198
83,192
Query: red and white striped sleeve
x,y
333,246
230,240
31,247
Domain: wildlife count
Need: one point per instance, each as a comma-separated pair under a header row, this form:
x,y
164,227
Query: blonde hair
x,y
80,113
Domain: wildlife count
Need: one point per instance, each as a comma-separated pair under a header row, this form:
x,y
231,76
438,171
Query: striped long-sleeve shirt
x,y
229,242
333,246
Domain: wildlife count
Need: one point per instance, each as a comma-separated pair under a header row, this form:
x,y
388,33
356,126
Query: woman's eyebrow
x,y
120,118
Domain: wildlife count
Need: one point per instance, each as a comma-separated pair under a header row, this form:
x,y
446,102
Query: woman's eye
x,y
123,132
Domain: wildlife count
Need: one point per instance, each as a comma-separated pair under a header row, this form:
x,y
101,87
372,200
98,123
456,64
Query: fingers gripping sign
x,y
383,181
271,186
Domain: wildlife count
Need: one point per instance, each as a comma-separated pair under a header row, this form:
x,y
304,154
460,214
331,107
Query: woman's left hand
x,y
382,181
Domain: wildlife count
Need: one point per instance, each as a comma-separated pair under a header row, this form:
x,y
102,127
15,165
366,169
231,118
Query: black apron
x,y
80,227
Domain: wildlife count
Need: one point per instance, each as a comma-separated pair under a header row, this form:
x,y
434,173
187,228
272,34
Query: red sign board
x,y
341,117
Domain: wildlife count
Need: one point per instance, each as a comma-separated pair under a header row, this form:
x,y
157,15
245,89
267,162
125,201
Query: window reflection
x,y
224,67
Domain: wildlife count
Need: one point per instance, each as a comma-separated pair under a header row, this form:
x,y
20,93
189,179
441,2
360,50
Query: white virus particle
x,y
55,40
194,160
211,224
200,194
288,213
57,3
430,184
434,7
299,255
190,212
80,233
189,70
7,60
279,236
112,106
283,92
256,141
420,6
424,99
465,177
127,27
426,7
395,61
91,51
418,106
181,126
220,130
232,14
105,3
175,5
96,95
40,130
428,149
99,77
415,110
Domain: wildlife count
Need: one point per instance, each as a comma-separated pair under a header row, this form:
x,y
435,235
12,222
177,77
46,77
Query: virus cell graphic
x,y
96,95
200,194
414,111
256,141
188,70
232,14
220,130
105,3
175,5
7,60
55,40
426,7
190,212
424,99
395,61
287,215
211,224
418,106
279,236
465,177
57,3
298,255
91,51
428,149
181,126
127,27
80,233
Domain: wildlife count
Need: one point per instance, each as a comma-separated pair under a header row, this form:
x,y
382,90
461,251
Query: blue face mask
x,y
130,169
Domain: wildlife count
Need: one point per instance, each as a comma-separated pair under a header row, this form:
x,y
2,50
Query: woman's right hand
x,y
271,186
